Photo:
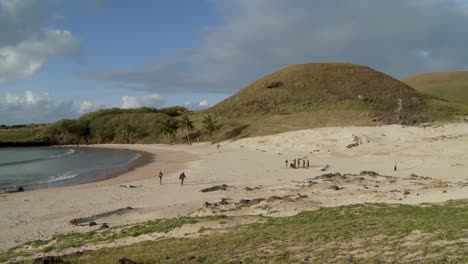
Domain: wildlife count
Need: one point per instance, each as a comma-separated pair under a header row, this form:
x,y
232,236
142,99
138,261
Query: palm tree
x,y
128,132
169,128
211,126
188,124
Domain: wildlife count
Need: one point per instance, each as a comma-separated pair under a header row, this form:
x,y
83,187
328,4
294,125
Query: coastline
x,y
144,158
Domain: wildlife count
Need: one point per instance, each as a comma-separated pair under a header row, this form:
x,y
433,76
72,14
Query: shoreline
x,y
144,158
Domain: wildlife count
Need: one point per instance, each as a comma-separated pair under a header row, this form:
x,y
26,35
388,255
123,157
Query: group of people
x,y
182,177
298,163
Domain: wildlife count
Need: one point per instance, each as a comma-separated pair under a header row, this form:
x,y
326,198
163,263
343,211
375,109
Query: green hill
x,y
451,86
319,85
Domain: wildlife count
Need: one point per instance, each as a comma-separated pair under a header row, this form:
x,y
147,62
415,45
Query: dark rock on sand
x,y
335,188
406,192
328,176
248,202
370,173
105,225
84,220
92,223
215,188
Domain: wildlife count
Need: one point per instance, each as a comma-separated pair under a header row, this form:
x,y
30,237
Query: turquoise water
x,y
40,167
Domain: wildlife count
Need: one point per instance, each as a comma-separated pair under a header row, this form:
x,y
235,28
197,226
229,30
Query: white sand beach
x,y
432,167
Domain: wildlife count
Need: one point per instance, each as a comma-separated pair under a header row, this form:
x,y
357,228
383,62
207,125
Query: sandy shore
x,y
432,167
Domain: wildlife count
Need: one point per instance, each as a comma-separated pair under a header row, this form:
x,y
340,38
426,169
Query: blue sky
x,y
59,59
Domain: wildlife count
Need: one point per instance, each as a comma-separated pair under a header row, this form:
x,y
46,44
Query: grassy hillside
x,y
296,97
368,233
451,86
321,86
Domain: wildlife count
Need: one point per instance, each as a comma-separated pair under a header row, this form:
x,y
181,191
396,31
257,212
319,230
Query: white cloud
x,y
196,105
31,107
261,36
152,100
25,44
88,106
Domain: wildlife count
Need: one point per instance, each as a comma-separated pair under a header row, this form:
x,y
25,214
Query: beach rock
x,y
248,202
105,225
224,201
48,260
334,187
92,223
406,192
328,176
248,189
215,188
84,220
370,173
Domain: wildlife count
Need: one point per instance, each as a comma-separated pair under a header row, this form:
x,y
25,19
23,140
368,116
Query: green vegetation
x,y
76,240
296,97
368,233
211,126
451,86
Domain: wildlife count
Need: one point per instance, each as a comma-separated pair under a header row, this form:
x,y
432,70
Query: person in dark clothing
x,y
395,167
286,162
160,177
182,178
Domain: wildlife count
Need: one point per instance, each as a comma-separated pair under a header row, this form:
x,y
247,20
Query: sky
x,y
63,58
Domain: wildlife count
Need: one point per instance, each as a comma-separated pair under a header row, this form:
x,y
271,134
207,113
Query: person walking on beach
x,y
160,177
182,178
286,162
307,164
217,147
395,166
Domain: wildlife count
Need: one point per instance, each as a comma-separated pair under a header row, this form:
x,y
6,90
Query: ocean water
x,y
40,167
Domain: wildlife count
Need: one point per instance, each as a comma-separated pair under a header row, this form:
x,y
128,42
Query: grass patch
x,y
369,233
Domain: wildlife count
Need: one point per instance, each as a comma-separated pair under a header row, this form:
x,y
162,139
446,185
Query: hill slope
x,y
451,86
319,85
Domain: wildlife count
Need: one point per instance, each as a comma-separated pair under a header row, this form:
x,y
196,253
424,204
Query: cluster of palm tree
x,y
170,126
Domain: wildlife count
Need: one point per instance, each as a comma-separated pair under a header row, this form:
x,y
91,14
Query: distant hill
x,y
329,86
451,86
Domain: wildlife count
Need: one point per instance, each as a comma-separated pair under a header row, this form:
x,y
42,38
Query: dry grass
x,y
451,86
321,85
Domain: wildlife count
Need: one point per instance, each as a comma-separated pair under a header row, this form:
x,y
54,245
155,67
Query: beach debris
x,y
222,187
83,221
325,168
105,225
128,186
406,192
356,142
